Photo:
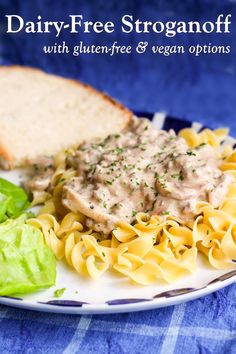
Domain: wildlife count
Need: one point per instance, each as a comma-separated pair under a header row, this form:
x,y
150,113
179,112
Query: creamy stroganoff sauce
x,y
142,170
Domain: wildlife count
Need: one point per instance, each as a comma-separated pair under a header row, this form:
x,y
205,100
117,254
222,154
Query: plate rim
x,y
104,308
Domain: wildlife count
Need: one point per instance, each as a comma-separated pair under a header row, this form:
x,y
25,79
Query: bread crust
x,y
6,159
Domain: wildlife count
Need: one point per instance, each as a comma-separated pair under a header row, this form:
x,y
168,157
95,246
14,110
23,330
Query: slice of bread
x,y
42,113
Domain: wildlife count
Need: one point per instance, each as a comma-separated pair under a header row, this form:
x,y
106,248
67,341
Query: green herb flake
x,y
153,205
178,175
36,167
190,153
119,150
59,292
201,145
48,167
62,180
165,213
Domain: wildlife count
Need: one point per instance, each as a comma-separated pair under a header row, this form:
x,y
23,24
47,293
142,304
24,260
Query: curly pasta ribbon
x,y
144,258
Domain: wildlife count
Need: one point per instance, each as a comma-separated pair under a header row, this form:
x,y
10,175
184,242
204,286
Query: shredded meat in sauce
x,y
139,170
142,170
41,172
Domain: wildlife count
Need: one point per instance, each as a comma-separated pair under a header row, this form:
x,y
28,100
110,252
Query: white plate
x,y
112,293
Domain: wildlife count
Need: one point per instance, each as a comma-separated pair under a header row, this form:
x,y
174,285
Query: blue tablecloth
x,y
206,325
196,88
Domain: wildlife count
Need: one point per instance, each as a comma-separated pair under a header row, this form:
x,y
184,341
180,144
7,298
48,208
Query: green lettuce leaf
x,y
13,200
26,263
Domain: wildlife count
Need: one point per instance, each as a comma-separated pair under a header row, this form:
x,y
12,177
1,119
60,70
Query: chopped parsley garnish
x,y
134,213
92,169
36,167
172,156
153,205
59,292
160,180
118,150
201,145
48,167
109,182
190,153
62,180
165,213
178,175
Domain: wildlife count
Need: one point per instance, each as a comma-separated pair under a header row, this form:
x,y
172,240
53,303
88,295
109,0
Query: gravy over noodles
x,y
142,170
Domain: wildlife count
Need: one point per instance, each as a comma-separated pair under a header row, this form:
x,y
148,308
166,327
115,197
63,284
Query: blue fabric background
x,y
196,88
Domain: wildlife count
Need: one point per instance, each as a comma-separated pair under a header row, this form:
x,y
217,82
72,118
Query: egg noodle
x,y
154,247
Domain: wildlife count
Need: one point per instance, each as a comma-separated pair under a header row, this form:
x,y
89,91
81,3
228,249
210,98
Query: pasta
x,y
157,247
